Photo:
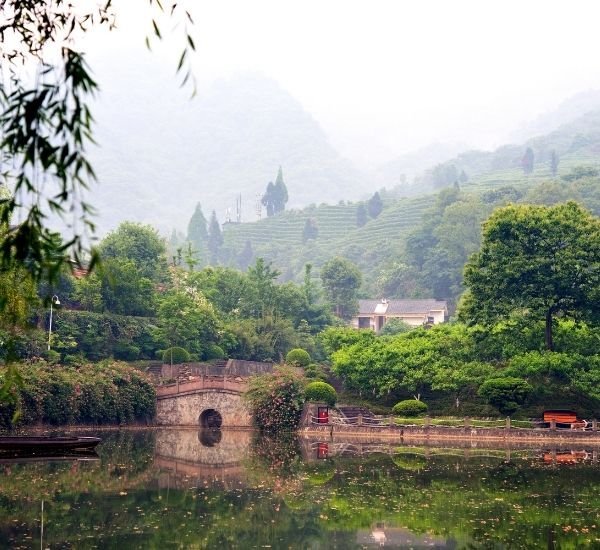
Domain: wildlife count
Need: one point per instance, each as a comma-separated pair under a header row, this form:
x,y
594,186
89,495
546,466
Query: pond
x,y
212,489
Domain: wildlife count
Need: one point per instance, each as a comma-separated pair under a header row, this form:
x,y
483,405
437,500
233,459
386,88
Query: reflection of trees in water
x,y
287,502
279,453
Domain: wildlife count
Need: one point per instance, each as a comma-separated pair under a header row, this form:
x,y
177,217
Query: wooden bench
x,y
564,419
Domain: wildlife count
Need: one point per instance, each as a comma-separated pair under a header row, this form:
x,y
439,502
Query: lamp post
x,y
53,301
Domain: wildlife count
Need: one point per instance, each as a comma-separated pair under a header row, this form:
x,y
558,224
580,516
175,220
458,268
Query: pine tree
x,y
280,193
196,231
361,215
268,199
215,238
375,205
463,178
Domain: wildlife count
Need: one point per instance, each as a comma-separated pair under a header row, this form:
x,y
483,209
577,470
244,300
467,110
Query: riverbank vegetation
x,y
103,393
524,337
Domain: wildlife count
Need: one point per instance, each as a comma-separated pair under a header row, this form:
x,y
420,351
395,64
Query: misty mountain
x,y
577,142
570,109
160,152
390,174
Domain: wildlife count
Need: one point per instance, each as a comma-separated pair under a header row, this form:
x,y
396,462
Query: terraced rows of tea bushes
x,y
279,238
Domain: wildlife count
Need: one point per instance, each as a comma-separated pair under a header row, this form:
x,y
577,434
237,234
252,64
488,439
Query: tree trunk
x,y
549,341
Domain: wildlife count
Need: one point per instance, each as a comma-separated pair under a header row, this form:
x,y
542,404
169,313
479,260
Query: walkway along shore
x,y
311,426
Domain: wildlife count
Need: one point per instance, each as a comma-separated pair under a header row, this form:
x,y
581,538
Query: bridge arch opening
x,y
211,419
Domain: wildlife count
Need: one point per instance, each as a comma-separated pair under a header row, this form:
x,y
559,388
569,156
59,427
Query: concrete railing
x,y
202,384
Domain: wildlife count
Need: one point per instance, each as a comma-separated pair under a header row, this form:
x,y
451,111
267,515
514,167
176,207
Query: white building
x,y
374,314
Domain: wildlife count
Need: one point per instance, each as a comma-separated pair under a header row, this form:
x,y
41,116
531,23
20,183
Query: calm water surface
x,y
188,489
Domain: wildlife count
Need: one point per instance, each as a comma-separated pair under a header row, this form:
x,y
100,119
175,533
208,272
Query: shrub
x,y
101,393
506,394
276,400
321,392
214,352
297,357
409,407
175,354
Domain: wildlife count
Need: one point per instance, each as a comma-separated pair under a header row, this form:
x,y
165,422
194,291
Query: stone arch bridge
x,y
208,402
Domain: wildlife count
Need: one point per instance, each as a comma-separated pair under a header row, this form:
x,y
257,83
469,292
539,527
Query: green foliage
x,y
439,359
320,392
101,393
214,352
335,338
506,394
298,358
276,195
197,232
409,407
139,244
98,336
276,400
215,238
540,260
395,326
341,280
175,355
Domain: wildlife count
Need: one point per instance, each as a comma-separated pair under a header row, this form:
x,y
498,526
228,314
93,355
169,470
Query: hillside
x,y
380,244
577,142
161,152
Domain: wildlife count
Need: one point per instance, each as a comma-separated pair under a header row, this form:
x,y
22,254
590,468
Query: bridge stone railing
x,y
203,383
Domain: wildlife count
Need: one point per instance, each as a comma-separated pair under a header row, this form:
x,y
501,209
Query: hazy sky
x,y
387,76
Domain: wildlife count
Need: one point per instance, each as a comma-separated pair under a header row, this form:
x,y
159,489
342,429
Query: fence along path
x,y
467,422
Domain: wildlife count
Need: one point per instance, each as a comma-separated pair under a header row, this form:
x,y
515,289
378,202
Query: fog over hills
x,y
161,153
568,110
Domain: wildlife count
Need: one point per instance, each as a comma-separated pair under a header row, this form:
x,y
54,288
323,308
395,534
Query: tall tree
x,y
215,238
554,163
140,244
361,215
197,232
268,199
527,161
375,205
341,280
280,192
535,260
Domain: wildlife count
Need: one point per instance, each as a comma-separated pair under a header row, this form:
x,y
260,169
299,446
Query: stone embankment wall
x,y
441,433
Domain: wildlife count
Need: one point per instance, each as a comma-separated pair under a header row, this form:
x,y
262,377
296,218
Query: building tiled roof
x,y
398,307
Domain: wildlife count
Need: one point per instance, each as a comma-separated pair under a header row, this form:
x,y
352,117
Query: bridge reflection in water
x,y
193,458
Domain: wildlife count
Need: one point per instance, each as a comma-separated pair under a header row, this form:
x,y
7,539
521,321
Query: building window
x,y
364,322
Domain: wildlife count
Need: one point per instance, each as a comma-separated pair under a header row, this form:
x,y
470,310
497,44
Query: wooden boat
x,y
47,444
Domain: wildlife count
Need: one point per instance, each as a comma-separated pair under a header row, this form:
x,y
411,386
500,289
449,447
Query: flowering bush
x,y
276,399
